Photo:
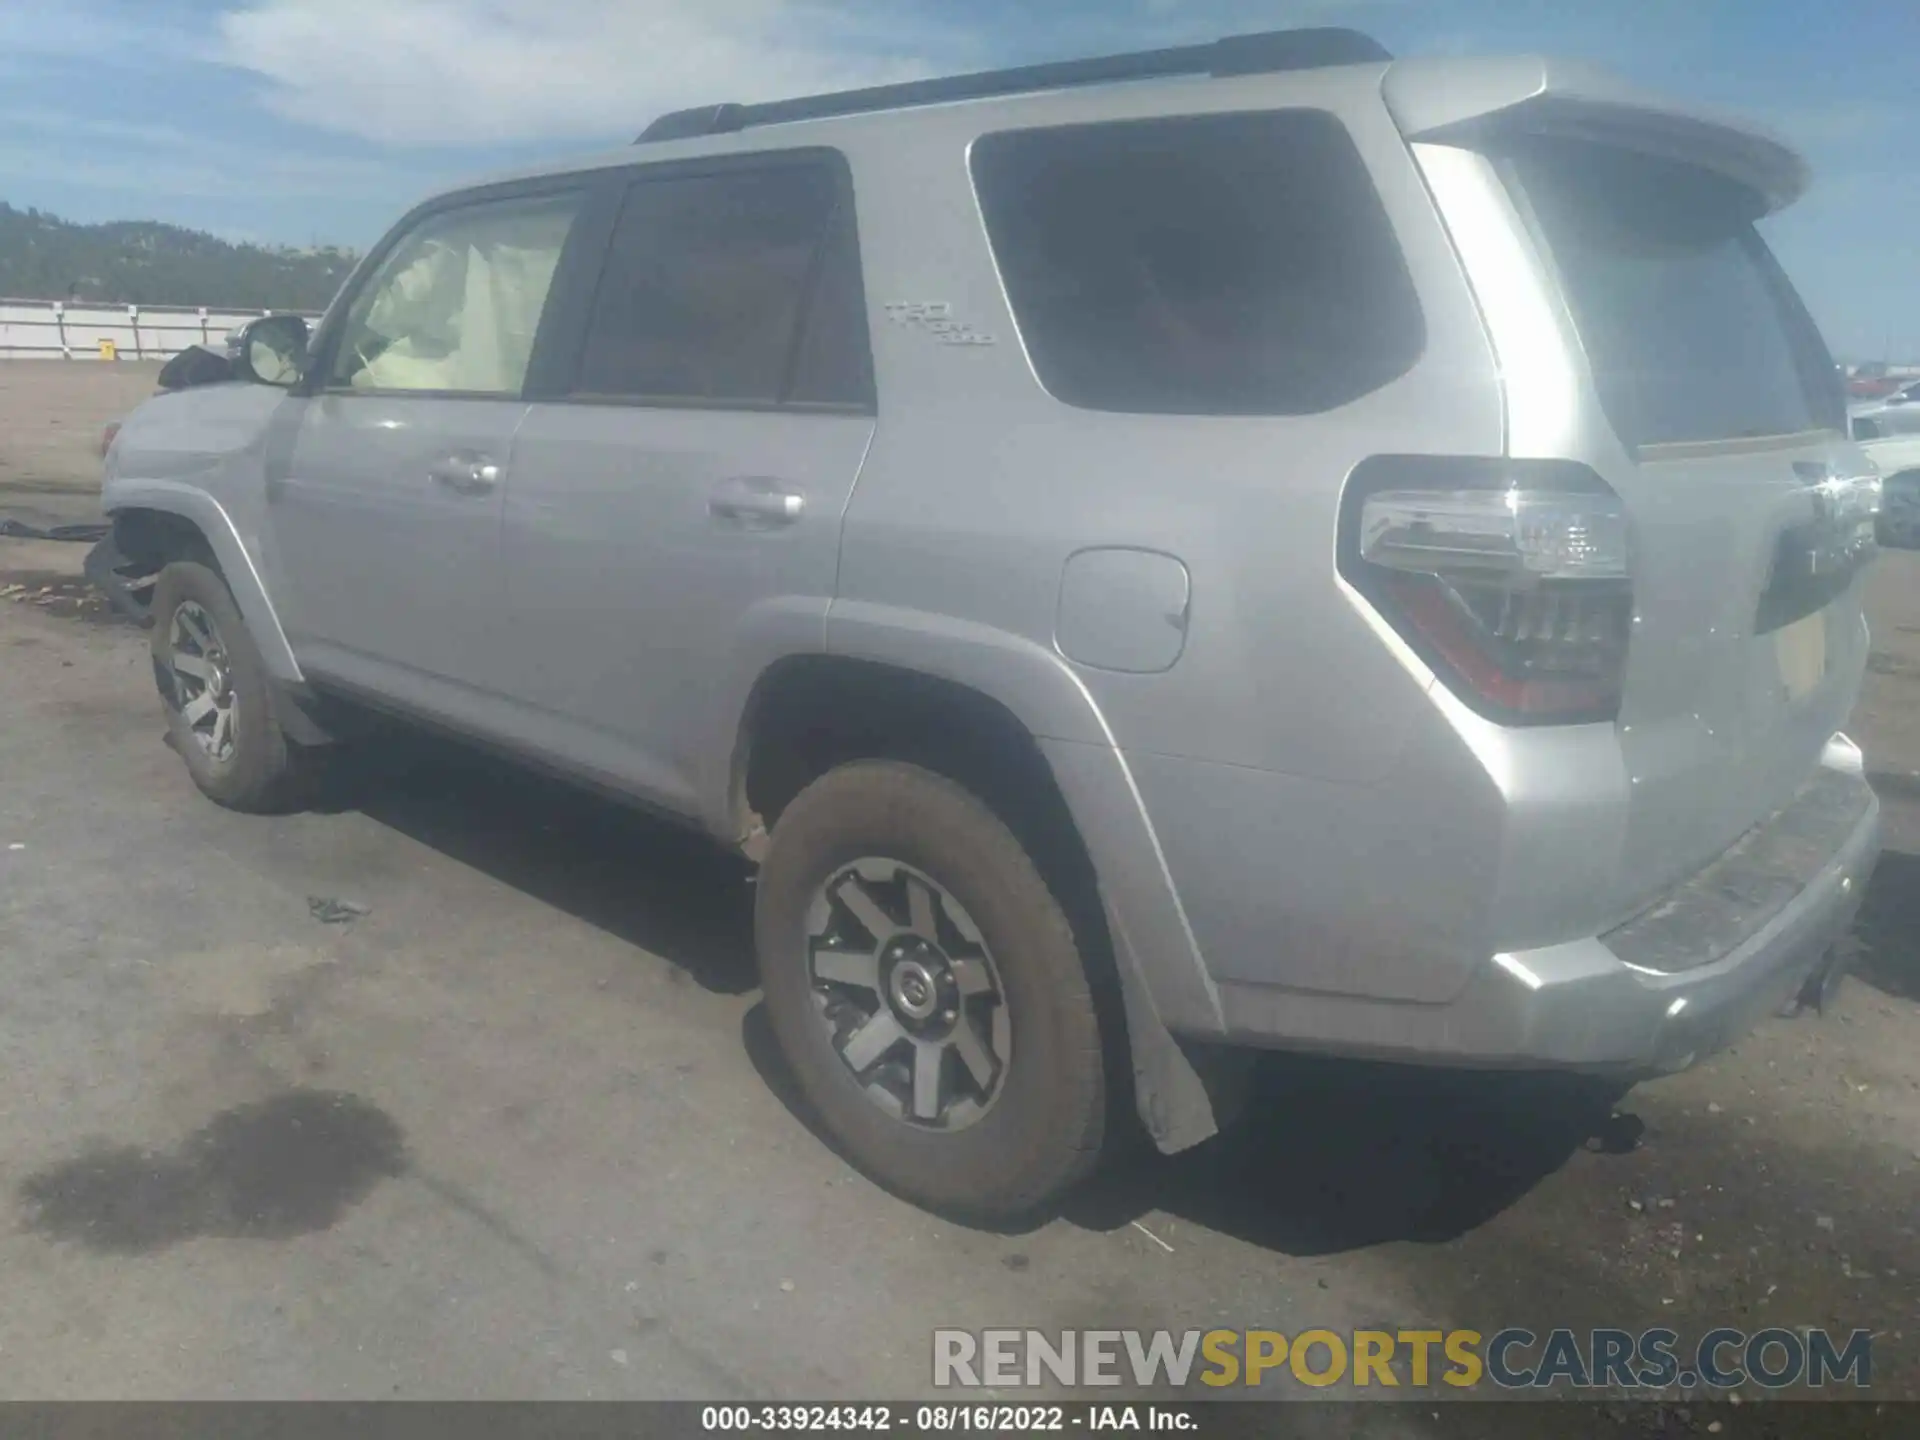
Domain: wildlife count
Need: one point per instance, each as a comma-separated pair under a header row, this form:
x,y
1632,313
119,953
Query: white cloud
x,y
474,72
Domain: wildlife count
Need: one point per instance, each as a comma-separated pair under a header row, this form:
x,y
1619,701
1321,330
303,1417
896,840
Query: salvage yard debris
x,y
331,911
67,597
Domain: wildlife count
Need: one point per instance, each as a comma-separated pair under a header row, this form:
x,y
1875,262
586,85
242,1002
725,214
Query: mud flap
x,y
1186,1091
1822,984
303,718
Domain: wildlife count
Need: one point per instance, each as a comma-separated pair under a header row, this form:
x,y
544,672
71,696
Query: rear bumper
x,y
1593,1003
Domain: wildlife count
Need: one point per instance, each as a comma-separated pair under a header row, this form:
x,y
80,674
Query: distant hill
x,y
142,262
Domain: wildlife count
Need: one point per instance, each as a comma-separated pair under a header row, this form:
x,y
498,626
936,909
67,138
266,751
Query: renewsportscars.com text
x,y
1511,1359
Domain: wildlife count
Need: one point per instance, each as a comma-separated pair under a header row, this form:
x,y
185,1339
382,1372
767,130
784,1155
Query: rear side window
x,y
733,288
1691,328
1207,265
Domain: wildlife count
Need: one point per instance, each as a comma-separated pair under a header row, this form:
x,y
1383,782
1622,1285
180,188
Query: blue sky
x,y
303,121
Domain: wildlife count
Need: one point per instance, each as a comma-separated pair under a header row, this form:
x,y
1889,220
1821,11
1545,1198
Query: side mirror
x,y
270,351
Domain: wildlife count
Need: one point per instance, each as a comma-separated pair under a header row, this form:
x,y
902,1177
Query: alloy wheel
x,y
201,673
908,993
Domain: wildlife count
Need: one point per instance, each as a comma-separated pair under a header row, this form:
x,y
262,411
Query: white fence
x,y
57,330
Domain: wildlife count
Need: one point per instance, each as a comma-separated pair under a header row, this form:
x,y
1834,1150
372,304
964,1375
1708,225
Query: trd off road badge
x,y
935,318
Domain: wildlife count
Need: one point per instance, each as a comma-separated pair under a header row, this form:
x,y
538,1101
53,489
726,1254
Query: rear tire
x,y
217,695
1000,960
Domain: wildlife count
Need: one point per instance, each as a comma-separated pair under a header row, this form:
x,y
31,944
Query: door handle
x,y
465,474
756,502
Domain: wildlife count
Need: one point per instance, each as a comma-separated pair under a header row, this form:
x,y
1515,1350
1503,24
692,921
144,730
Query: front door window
x,y
455,305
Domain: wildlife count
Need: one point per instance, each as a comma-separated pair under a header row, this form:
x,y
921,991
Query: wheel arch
x,y
1007,717
151,517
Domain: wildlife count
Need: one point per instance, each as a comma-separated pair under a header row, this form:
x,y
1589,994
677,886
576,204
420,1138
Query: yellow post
x,y
109,351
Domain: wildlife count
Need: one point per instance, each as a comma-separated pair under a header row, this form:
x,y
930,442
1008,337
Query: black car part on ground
x,y
80,534
127,586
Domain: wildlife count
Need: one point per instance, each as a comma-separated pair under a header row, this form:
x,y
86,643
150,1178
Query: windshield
x,y
1691,327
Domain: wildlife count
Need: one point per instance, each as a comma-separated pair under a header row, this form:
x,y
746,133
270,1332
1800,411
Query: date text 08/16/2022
x,y
946,1418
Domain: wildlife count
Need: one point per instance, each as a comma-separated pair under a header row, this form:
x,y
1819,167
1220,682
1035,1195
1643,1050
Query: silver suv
x,y
1252,545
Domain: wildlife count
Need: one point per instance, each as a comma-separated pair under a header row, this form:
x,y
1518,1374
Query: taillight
x,y
107,437
1512,579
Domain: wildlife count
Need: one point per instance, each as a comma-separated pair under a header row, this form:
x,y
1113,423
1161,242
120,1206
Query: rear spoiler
x,y
1460,101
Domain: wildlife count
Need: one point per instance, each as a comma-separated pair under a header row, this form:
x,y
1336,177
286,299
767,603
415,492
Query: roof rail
x,y
1256,54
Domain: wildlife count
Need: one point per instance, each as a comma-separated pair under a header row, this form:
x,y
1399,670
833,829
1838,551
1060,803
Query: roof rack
x,y
1256,54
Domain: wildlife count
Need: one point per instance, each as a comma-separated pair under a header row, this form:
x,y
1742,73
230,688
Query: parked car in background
x,y
1871,387
1898,459
1294,550
1895,413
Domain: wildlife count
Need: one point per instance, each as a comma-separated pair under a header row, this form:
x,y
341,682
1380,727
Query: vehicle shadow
x,y
1336,1155
638,878
1888,928
1332,1155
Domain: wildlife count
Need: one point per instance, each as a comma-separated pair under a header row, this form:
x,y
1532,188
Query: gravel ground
x,y
517,1132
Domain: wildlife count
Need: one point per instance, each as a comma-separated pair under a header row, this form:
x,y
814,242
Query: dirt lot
x,y
51,414
518,1132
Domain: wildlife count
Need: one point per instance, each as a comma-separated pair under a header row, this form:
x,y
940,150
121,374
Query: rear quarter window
x,y
1237,264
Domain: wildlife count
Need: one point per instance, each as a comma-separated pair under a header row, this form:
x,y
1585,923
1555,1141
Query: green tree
x,y
142,262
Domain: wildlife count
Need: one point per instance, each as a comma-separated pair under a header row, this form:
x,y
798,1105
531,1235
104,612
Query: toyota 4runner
x,y
1259,544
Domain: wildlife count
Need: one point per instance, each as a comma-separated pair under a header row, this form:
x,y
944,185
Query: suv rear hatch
x,y
1749,510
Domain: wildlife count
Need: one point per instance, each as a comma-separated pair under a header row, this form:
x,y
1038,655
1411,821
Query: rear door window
x,y
739,287
1237,264
1692,329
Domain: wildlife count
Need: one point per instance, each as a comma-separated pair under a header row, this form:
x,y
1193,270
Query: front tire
x,y
924,985
218,698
